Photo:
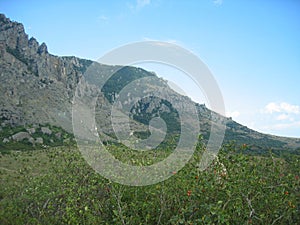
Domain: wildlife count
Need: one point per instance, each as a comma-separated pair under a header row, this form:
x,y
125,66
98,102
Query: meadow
x,y
56,186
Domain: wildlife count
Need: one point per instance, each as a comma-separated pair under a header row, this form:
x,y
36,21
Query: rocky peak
x,y
30,77
14,39
3,19
42,50
12,33
38,88
33,44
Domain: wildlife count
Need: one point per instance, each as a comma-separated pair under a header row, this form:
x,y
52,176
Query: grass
x,y
56,186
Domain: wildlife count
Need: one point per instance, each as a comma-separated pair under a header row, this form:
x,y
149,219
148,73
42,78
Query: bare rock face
x,y
21,136
42,50
33,45
12,33
38,88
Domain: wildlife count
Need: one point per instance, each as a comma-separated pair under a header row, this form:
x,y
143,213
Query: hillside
x,y
45,177
38,89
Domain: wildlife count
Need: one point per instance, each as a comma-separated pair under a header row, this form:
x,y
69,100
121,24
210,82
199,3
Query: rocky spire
x,y
42,49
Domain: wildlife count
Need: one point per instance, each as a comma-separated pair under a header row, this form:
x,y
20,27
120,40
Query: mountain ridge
x,y
38,88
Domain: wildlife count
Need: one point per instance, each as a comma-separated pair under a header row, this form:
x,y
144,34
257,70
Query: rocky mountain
x,y
38,88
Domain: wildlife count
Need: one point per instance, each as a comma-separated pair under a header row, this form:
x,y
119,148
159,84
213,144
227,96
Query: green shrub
x,y
254,190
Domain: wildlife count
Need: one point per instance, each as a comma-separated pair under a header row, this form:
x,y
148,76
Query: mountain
x,y
38,90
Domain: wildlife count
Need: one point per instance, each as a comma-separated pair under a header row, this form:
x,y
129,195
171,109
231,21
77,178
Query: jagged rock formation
x,y
38,88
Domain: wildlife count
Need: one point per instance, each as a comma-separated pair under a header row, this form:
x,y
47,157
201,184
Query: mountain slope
x,y
38,88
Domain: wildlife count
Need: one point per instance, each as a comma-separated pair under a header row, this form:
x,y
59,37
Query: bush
x,y
253,190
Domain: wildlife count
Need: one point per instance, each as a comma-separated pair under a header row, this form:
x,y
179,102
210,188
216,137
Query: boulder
x,y
5,140
58,135
21,136
46,130
31,130
39,140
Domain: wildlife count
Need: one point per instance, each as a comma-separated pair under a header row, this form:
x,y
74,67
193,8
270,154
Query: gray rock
x,y
31,140
31,130
58,135
33,44
46,130
39,140
5,140
20,136
42,50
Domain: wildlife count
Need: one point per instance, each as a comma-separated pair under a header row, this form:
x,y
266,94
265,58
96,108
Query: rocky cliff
x,y
38,88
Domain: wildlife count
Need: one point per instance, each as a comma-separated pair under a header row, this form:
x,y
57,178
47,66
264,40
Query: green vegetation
x,y
58,137
263,143
56,186
120,78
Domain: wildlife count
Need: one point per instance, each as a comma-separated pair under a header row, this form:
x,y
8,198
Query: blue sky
x,y
251,47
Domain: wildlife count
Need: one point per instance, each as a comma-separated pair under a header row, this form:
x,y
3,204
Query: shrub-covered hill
x,y
56,186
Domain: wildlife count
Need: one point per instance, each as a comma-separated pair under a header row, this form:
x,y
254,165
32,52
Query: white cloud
x,y
103,17
139,4
142,3
282,107
283,117
218,2
271,107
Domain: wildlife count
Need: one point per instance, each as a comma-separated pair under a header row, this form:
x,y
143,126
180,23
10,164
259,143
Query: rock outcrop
x,y
38,88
